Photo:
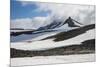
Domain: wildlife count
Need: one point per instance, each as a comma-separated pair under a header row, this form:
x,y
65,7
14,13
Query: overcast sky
x,y
26,14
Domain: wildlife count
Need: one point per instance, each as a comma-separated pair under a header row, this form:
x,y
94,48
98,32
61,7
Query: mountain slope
x,y
45,42
55,24
84,48
72,33
54,27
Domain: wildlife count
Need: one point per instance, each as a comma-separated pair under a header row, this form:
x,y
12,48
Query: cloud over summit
x,y
60,12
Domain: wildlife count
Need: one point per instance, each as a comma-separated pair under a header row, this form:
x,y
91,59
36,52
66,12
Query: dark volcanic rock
x,y
84,48
72,33
19,33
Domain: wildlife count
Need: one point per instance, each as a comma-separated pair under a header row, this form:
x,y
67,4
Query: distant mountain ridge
x,y
50,27
52,31
55,24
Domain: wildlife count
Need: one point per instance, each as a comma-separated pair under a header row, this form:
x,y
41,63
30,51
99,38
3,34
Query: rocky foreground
x,y
84,48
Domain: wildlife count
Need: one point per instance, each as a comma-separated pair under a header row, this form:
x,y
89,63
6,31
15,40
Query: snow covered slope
x,y
59,43
55,34
48,41
55,24
53,28
52,59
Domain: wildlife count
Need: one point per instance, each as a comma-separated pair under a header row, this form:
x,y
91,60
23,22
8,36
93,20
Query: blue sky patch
x,y
28,11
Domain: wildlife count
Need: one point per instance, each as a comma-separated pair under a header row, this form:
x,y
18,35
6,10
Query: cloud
x,y
21,23
82,13
25,3
60,12
28,23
